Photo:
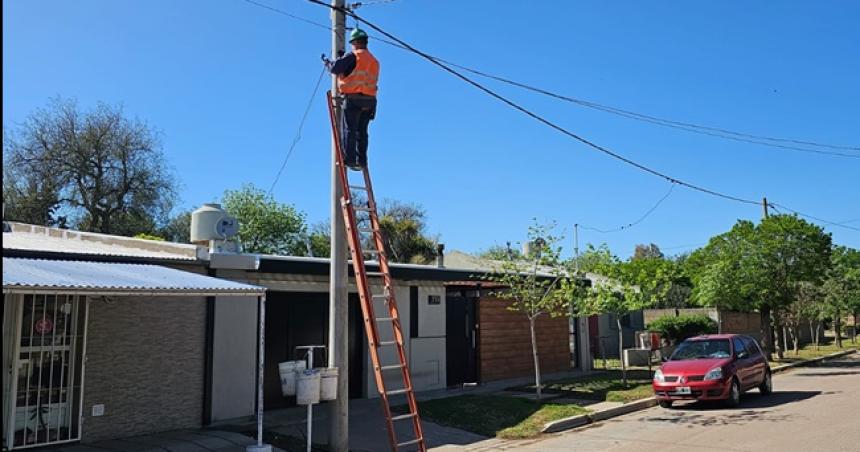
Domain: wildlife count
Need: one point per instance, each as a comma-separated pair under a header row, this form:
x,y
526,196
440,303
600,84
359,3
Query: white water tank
x,y
211,222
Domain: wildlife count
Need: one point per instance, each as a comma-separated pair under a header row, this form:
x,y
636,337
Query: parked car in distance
x,y
713,367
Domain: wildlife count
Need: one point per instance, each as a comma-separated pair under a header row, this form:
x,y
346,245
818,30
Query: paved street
x,y
813,409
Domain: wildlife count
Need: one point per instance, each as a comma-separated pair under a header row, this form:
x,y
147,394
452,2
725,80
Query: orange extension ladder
x,y
371,322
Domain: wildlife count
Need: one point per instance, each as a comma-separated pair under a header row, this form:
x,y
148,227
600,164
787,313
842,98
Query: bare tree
x,y
106,171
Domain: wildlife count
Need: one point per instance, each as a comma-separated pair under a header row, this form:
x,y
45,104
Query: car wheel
x,y
734,395
665,403
766,386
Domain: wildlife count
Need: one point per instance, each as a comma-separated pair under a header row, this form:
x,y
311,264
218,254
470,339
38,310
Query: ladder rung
x,y
384,319
369,252
398,391
404,416
367,230
386,343
363,209
409,443
380,296
358,187
375,274
392,367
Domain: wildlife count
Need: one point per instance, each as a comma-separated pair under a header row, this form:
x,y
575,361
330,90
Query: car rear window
x,y
702,349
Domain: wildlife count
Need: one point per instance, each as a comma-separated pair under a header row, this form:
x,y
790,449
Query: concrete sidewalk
x,y
367,429
175,441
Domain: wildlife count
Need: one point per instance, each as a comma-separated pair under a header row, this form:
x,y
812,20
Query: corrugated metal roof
x,y
26,237
103,278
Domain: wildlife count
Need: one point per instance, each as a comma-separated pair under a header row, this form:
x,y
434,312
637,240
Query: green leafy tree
x,y
266,226
500,253
842,287
532,286
593,258
320,239
625,288
757,267
808,305
103,171
178,229
650,251
404,226
788,250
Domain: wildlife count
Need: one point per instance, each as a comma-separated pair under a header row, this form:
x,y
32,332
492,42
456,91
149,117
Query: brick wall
x,y
505,342
145,363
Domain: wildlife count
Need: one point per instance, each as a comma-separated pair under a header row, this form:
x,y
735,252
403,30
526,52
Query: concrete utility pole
x,y
338,325
764,206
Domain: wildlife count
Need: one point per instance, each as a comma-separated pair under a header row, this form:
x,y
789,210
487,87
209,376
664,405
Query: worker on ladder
x,y
357,75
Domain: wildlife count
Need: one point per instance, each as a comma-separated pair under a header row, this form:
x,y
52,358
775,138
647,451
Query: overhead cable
x,y
442,63
298,136
630,225
774,142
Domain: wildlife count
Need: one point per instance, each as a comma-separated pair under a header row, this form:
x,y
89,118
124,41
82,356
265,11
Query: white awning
x,y
21,275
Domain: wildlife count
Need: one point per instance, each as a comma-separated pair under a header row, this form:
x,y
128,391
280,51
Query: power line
x,y
298,131
680,125
370,3
541,119
439,62
292,16
805,215
630,225
705,130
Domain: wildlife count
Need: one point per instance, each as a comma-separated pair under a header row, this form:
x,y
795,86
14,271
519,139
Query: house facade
x,y
147,358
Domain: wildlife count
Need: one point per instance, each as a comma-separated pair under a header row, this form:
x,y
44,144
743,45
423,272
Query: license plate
x,y
682,390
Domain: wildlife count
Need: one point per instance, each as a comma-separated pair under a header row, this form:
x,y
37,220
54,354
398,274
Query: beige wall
x,y
145,363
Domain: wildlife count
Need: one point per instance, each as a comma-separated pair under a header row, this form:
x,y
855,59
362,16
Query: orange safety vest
x,y
362,79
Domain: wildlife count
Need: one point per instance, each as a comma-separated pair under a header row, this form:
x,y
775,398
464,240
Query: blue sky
x,y
226,83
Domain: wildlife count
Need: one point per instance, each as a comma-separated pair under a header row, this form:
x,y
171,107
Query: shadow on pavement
x,y
837,362
755,400
753,408
828,374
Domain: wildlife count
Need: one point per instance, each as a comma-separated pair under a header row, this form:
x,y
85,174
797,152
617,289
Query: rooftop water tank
x,y
211,222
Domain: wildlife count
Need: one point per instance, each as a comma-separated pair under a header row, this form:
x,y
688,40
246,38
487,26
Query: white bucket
x,y
328,383
308,387
288,371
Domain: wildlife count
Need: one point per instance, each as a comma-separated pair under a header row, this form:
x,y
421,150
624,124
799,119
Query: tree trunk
x,y
766,332
818,336
811,331
854,330
621,350
795,338
719,321
837,326
779,338
785,338
535,356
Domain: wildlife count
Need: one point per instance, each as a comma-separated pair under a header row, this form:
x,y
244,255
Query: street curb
x,y
641,404
806,362
582,419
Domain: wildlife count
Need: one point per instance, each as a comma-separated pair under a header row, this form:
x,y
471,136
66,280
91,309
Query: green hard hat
x,y
357,33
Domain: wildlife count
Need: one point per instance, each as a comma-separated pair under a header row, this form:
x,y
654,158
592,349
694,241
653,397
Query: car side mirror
x,y
664,358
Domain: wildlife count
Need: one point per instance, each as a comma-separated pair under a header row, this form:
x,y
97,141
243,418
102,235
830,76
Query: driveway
x,y
812,408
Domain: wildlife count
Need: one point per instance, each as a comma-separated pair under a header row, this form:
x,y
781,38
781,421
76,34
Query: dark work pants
x,y
358,111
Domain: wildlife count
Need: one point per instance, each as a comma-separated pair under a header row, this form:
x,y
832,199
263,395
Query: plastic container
x,y
328,383
308,387
288,371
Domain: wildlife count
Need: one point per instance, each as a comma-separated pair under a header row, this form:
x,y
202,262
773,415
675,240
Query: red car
x,y
713,367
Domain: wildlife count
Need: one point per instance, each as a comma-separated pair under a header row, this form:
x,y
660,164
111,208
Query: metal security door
x,y
47,369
